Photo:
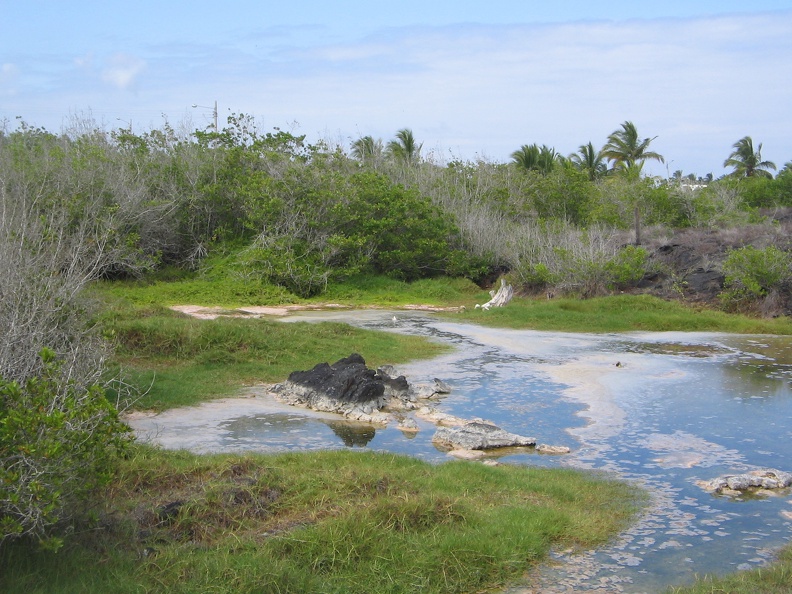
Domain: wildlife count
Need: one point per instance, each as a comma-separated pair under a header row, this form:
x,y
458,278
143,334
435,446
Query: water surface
x,y
661,409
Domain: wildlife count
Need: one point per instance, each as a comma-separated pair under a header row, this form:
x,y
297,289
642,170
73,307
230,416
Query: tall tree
x,y
404,148
746,161
535,158
628,151
590,161
367,150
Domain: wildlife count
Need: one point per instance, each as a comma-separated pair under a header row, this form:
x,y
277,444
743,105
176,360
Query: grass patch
x,y
337,521
195,291
184,361
384,291
235,292
775,579
620,313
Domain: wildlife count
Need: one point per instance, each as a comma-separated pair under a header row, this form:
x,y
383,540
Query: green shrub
x,y
627,267
587,262
384,228
288,262
332,227
58,443
535,276
753,273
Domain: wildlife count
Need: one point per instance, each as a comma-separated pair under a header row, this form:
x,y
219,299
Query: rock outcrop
x,y
346,387
479,435
766,478
349,388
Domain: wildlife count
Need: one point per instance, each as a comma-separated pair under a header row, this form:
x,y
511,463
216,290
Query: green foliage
x,y
288,262
616,199
746,161
760,191
783,186
590,161
720,204
58,443
564,194
387,229
388,291
627,267
585,274
322,225
219,285
301,217
753,273
403,148
182,361
628,151
621,313
332,521
583,263
535,276
75,195
535,158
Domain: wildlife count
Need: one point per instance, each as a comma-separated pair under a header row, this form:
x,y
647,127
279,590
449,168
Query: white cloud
x,y
493,88
122,70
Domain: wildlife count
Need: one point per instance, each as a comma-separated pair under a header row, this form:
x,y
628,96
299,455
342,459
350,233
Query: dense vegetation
x,y
264,217
266,207
338,521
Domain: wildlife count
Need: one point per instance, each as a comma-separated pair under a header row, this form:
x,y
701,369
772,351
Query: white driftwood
x,y
499,299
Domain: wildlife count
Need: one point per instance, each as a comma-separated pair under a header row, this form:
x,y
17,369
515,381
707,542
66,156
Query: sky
x,y
472,80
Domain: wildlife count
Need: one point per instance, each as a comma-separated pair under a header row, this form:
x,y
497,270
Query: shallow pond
x,y
662,409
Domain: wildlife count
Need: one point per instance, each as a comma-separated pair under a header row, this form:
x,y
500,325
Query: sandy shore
x,y
255,311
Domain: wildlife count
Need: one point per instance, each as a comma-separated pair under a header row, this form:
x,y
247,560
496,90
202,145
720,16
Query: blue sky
x,y
471,79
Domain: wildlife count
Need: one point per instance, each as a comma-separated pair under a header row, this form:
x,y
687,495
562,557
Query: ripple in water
x,y
662,409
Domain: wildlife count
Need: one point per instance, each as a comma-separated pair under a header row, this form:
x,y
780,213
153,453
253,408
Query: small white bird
x,y
394,320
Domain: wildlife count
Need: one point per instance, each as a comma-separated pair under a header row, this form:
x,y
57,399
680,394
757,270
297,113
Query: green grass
x,y
384,291
620,313
775,579
338,521
232,292
195,291
181,361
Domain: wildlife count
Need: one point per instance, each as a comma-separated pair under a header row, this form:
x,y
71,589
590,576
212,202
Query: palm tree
x,y
367,150
535,158
627,151
746,161
589,161
403,148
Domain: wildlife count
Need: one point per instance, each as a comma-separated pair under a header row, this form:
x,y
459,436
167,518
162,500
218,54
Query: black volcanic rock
x,y
345,381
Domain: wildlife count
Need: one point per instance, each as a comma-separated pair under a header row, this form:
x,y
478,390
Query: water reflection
x,y
354,435
662,409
